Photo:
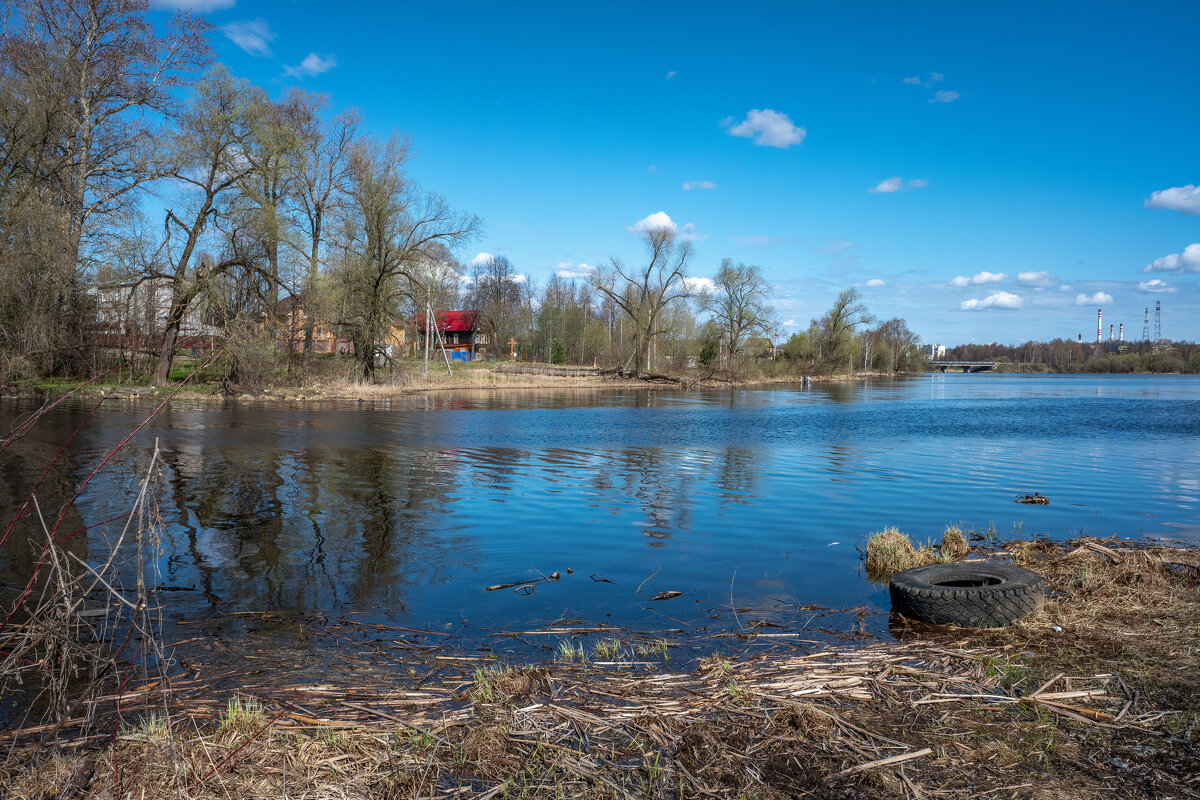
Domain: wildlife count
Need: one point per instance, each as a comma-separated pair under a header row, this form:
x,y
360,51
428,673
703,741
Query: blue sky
x,y
987,172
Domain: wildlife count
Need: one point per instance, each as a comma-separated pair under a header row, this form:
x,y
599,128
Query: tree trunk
x,y
166,353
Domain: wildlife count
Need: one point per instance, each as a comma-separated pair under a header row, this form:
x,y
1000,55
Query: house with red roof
x,y
460,334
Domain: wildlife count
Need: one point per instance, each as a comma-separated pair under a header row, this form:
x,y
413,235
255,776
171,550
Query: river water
x,y
401,513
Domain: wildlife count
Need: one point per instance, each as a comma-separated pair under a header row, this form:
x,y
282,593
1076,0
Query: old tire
x,y
969,595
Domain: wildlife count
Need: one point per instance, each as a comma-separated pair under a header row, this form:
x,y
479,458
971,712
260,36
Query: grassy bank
x,y
1094,697
327,383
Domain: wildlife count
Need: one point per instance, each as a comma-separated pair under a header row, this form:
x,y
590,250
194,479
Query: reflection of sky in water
x,y
407,510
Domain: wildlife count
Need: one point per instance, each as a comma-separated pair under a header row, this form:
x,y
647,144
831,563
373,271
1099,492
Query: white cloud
x,y
671,74
1184,199
660,219
791,323
688,186
977,279
1066,287
198,6
1155,286
481,259
313,64
874,282
1041,278
768,127
886,186
699,285
945,96
252,35
934,77
897,184
652,222
566,269
1097,299
1187,261
997,300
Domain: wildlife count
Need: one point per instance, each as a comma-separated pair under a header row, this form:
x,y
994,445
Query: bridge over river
x,y
962,366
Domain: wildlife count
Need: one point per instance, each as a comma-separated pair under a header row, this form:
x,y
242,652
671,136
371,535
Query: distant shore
x,y
464,377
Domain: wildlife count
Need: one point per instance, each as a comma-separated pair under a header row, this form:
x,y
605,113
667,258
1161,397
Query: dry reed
x,y
938,713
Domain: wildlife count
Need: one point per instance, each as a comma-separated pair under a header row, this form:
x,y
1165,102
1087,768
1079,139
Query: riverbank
x,y
410,379
1093,697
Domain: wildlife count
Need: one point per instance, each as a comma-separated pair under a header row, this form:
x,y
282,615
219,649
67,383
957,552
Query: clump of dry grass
x,y
500,682
954,544
891,551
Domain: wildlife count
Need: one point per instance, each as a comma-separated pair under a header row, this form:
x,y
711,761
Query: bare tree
x,y
900,344
496,295
738,304
319,167
643,293
268,141
205,158
82,84
836,328
116,74
389,227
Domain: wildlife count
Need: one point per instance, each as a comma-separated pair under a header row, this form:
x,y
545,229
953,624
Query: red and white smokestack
x,y
1110,331
1122,337
1099,325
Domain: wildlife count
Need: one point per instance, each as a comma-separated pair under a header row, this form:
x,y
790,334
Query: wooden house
x,y
460,332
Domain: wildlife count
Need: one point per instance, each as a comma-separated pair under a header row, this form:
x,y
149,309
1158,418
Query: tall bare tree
x,y
83,83
205,158
320,172
496,295
118,76
269,140
835,330
738,304
389,227
643,293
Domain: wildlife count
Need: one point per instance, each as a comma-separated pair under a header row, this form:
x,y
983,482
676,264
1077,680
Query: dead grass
x,y
1093,698
891,551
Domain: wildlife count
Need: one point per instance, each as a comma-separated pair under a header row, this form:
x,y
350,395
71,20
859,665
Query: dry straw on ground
x,y
1093,698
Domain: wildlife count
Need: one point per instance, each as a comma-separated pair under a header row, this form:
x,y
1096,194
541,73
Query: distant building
x,y
460,334
934,352
292,322
136,316
759,348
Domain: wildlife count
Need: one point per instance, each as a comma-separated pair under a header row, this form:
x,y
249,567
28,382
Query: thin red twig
x,y
62,514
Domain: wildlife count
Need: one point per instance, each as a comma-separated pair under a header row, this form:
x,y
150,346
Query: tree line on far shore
x,y
1066,355
152,202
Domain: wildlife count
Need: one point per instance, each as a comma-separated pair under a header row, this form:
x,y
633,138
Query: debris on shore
x,y
1094,697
